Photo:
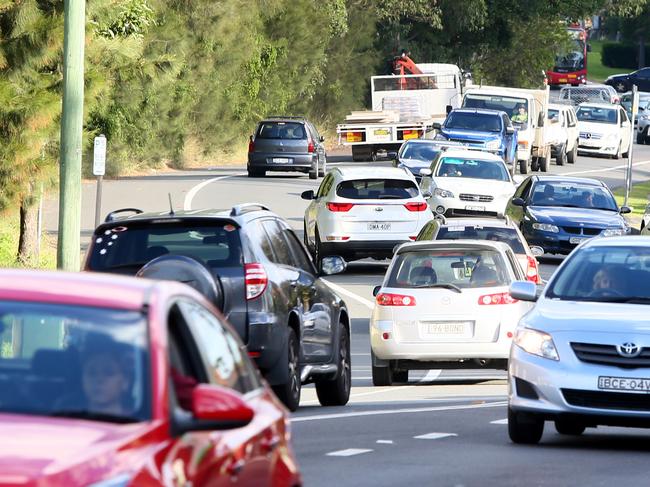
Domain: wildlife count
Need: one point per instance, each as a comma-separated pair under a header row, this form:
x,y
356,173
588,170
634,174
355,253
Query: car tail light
x,y
413,237
256,280
499,298
416,206
251,146
389,299
532,273
339,207
311,148
354,137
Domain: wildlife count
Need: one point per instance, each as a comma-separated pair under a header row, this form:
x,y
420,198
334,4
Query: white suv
x,y
358,213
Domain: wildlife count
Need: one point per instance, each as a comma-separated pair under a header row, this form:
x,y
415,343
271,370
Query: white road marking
x,y
361,354
380,412
500,421
187,205
385,442
607,169
431,376
434,436
381,390
335,287
348,453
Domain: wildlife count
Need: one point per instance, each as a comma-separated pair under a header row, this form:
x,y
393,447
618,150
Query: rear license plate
x,y
623,384
446,328
475,208
562,80
381,132
281,160
379,227
577,240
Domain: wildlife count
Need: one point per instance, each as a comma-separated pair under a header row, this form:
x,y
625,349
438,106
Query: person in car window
x,y
547,198
607,281
586,199
521,115
450,170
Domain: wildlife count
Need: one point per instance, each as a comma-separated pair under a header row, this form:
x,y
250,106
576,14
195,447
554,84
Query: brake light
x,y
311,148
389,299
499,298
532,273
354,137
339,207
251,146
256,280
416,206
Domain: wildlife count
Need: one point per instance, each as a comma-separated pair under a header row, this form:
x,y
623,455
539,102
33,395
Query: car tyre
x,y
256,173
401,376
524,428
573,155
382,376
313,173
317,253
621,87
618,152
565,427
336,392
544,162
289,393
523,167
323,169
561,155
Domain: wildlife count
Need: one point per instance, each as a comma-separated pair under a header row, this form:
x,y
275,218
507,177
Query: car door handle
x,y
235,467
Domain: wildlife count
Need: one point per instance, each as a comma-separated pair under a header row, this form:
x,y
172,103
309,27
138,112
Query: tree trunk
x,y
28,239
641,51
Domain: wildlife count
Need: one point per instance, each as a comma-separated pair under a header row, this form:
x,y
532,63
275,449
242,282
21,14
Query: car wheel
x,y
401,376
573,155
618,152
565,427
524,428
545,162
640,137
336,392
289,393
561,155
313,172
625,154
620,87
317,252
382,376
523,166
323,169
256,173
305,238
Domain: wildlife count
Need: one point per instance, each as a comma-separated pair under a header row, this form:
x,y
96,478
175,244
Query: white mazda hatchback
x,y
364,212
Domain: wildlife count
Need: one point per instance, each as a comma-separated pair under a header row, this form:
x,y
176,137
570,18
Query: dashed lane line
x,y
187,204
500,421
341,290
434,436
349,452
385,442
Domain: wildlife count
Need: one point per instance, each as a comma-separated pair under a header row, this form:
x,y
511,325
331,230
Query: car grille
x,y
607,355
582,230
465,141
480,198
607,400
590,135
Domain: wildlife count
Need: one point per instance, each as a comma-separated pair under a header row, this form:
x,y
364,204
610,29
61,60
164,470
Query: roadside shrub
x,y
620,55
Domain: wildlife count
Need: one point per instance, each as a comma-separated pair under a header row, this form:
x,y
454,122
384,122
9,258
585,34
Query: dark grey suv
x,y
286,144
294,326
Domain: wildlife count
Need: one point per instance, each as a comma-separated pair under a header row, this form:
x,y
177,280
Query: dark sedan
x,y
557,213
624,82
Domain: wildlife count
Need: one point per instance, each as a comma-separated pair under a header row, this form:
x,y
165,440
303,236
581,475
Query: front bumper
x,y
603,147
457,207
296,162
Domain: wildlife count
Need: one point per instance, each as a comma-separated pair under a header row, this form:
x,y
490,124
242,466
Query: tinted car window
x,y
478,232
475,169
281,130
597,115
420,152
577,195
464,268
325,186
258,236
372,189
300,258
473,121
282,254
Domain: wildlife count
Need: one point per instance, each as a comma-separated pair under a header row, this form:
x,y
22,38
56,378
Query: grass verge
x,y
596,71
9,232
638,200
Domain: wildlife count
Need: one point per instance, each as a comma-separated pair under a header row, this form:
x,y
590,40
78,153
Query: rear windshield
x,y
478,232
281,130
377,189
130,246
597,115
463,268
420,152
475,169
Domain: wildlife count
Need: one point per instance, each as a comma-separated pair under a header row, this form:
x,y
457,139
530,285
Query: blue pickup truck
x,y
489,129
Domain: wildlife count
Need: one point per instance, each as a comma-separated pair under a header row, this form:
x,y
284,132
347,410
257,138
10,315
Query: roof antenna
x,y
171,207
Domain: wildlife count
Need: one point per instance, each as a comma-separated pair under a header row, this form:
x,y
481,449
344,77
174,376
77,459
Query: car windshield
x,y
516,108
129,246
464,268
74,361
281,130
482,122
607,273
420,152
470,168
597,115
377,189
572,195
574,59
553,114
481,232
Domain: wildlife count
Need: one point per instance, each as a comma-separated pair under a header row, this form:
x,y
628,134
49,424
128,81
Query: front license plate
x,y
446,328
281,160
577,240
623,384
379,227
475,208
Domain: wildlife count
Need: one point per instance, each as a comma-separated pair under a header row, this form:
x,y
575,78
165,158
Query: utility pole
x,y
68,248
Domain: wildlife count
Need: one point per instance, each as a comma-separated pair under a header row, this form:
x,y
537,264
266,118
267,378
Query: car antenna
x,y
171,207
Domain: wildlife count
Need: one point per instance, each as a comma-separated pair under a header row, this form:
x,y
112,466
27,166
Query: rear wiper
x,y
451,287
93,416
389,197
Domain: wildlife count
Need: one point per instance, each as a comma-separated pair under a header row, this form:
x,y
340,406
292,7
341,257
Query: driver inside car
x,y
607,282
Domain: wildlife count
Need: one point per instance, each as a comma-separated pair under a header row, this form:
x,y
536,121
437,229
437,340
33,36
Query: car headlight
x,y
117,481
536,343
546,227
493,145
614,232
443,193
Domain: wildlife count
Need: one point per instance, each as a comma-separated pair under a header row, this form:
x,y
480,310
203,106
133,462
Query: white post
x,y
628,172
99,169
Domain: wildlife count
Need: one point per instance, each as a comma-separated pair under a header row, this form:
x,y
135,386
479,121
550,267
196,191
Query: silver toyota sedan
x,y
581,356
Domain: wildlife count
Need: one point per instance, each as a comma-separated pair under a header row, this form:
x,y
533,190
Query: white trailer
x,y
403,107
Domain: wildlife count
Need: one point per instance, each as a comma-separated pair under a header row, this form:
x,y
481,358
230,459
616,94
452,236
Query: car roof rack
x,y
112,215
238,210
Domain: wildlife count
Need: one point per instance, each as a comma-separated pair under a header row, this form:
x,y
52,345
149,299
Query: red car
x,y
110,381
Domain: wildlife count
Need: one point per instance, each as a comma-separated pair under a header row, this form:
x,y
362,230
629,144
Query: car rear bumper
x,y
357,249
269,161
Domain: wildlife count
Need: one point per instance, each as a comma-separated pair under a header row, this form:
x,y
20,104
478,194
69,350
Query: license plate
x,y
623,384
281,160
381,132
446,328
577,240
475,208
379,227
562,80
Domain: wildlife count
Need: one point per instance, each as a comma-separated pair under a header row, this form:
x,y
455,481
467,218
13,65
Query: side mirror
x,y
308,195
518,202
392,155
321,139
376,290
437,125
540,119
625,210
524,291
537,251
332,264
424,172
448,110
213,408
510,130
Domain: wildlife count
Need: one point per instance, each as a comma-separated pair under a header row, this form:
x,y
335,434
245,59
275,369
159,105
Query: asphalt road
x,y
443,428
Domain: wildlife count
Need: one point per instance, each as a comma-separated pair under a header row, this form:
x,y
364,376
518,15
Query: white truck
x,y
534,148
403,107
